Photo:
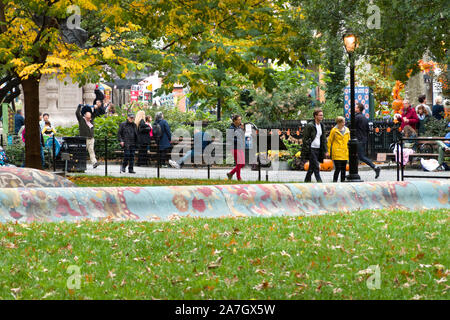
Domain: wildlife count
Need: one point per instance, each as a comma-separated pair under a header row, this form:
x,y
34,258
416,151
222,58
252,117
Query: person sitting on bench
x,y
444,146
198,136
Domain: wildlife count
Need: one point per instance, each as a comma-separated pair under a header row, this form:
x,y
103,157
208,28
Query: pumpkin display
x,y
327,165
397,105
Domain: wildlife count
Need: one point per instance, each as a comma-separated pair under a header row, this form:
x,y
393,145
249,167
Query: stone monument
x,y
60,99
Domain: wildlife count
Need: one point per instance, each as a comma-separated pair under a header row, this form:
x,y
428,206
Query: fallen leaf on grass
x,y
261,271
231,281
262,286
232,242
48,294
215,264
418,257
10,245
284,253
337,290
442,280
301,285
111,274
365,271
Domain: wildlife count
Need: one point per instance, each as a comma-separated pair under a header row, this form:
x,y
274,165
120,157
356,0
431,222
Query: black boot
x,y
377,172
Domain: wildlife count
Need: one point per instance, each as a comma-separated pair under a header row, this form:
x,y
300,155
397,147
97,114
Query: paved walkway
x,y
388,173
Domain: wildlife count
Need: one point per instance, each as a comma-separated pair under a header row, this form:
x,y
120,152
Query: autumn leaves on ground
x,y
320,257
101,181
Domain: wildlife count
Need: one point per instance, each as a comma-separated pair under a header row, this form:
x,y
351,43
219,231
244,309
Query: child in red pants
x,y
238,147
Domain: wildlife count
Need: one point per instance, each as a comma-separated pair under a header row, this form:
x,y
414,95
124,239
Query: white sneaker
x,y
174,164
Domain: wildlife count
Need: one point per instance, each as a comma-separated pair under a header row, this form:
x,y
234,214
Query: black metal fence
x,y
382,134
72,155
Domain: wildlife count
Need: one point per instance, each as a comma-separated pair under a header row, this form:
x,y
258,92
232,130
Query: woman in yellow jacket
x,y
338,148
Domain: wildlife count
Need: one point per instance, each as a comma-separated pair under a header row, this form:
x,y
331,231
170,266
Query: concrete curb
x,y
172,202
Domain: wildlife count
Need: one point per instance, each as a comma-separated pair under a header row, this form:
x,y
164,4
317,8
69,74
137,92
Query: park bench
x,y
426,150
153,151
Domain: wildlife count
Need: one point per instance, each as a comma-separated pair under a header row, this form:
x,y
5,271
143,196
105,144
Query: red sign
x,y
134,95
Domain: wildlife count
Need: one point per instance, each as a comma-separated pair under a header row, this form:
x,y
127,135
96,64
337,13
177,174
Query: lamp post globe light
x,y
351,43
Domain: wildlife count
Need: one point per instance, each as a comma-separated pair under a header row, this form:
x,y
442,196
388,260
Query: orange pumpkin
x,y
347,167
327,165
397,105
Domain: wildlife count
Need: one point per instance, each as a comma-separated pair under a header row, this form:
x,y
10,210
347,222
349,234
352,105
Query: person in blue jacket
x,y
163,135
19,121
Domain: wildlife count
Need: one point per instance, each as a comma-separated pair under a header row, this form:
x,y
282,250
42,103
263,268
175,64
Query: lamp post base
x,y
353,175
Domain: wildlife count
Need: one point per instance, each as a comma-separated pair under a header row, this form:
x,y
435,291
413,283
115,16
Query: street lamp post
x,y
351,43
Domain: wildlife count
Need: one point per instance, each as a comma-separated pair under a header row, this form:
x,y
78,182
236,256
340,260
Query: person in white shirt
x,y
423,102
45,118
314,147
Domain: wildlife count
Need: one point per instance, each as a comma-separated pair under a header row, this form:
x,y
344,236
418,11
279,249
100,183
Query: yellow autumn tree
x,y
39,37
175,37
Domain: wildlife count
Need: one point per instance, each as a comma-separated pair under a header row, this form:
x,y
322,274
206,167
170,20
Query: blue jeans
x,y
42,157
128,158
188,155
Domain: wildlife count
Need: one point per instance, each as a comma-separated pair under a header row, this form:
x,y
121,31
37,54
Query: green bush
x,y
330,109
436,128
16,155
107,127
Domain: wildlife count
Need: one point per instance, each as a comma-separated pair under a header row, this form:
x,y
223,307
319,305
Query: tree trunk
x,y
32,134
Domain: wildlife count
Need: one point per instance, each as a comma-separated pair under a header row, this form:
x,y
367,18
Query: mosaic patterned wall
x,y
166,203
13,177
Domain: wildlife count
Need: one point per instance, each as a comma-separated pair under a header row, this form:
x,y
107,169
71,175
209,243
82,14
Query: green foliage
x,y
436,128
72,131
288,100
331,110
292,147
15,154
335,64
107,127
380,79
222,126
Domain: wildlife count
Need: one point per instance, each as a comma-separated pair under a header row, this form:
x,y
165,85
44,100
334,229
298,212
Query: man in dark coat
x,y
362,130
143,140
314,146
127,136
19,121
99,96
166,136
86,127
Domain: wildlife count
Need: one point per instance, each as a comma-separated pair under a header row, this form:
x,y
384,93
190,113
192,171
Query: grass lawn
x,y
102,181
318,257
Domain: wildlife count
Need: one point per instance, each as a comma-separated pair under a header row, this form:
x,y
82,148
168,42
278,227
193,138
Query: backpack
x,y
157,131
